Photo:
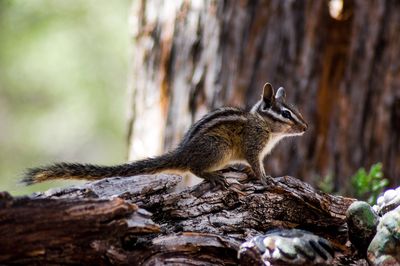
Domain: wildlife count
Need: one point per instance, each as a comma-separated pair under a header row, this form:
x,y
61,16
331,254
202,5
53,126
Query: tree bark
x,y
108,221
342,73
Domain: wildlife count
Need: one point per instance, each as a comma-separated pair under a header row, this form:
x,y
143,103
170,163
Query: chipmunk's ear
x,y
268,93
280,94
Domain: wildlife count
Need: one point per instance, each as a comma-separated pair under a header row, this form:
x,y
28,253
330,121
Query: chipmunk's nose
x,y
305,126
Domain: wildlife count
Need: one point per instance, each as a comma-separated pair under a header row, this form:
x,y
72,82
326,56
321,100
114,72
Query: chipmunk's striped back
x,y
217,116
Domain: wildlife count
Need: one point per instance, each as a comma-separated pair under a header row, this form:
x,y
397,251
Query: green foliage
x,y
368,185
326,184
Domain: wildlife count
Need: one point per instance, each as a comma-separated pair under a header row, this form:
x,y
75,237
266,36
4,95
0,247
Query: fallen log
x,y
145,220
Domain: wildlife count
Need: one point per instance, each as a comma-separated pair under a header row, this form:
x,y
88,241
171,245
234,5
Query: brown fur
x,y
224,136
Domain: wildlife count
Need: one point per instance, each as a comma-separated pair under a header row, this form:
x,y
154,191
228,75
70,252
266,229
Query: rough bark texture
x,y
68,231
343,74
108,221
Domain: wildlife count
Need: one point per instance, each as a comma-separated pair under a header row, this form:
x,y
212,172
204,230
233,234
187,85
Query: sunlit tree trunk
x,y
342,72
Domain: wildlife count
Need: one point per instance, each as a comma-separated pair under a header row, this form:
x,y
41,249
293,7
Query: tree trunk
x,y
342,73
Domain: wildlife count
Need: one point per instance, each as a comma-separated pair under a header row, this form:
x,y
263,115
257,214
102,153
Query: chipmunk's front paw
x,y
214,182
267,180
218,181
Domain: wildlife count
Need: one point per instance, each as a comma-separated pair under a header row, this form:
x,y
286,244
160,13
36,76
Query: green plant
x,y
368,186
326,183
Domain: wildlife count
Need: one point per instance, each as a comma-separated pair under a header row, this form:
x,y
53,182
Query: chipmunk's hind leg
x,y
206,158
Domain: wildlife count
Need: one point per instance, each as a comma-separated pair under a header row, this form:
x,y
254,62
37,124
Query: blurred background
x,y
95,81
63,76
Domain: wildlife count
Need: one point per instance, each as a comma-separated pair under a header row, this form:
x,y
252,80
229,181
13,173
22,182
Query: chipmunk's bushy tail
x,y
95,172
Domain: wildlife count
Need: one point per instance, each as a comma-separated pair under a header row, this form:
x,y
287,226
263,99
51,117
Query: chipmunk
x,y
222,137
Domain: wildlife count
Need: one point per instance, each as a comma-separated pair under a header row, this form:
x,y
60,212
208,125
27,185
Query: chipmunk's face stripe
x,y
296,115
275,116
274,113
293,117
280,113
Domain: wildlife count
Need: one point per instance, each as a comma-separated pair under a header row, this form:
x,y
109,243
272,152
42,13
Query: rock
x,y
287,247
389,195
361,221
385,246
388,201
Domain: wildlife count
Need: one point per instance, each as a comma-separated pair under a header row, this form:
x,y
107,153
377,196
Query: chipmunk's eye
x,y
286,114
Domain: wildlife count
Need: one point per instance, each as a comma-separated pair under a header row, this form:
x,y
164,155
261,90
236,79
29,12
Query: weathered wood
x,y
105,221
136,188
288,204
68,231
